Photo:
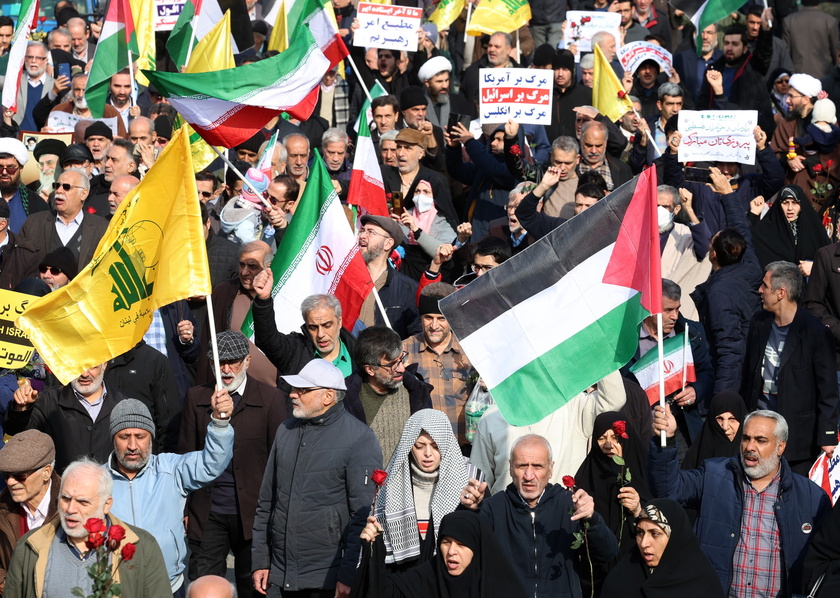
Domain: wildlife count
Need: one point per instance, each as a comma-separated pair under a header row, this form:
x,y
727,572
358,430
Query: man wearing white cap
x,y
435,76
802,96
316,492
22,202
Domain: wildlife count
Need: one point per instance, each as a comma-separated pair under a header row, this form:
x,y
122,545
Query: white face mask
x,y
664,218
423,203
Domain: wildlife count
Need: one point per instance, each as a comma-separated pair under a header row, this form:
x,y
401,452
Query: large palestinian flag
x,y
706,12
556,318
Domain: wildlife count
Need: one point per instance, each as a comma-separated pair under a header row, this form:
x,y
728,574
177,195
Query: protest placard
x,y
65,122
717,136
521,94
581,25
386,26
167,13
15,348
635,53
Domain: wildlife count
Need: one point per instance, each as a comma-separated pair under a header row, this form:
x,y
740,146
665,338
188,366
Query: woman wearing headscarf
x,y
790,231
719,436
426,227
666,561
426,476
469,564
618,502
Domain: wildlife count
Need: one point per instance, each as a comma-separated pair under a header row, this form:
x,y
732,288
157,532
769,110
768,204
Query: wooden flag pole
x,y
241,176
661,349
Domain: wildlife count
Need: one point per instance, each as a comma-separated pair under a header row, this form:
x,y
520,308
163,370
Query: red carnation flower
x,y
619,428
379,477
568,481
818,168
516,150
127,552
95,525
91,210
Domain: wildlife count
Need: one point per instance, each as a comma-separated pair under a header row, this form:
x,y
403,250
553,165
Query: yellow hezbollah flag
x,y
608,95
499,15
446,13
143,12
214,52
279,40
152,254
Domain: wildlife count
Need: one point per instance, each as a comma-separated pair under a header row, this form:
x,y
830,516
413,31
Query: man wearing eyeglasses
x,y
22,202
67,225
316,491
383,393
30,498
34,85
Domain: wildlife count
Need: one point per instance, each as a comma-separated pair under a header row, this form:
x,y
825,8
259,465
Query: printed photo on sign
x,y
521,94
635,53
717,136
31,172
385,26
582,25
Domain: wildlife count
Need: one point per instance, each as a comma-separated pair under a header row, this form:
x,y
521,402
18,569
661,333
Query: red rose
x,y
574,25
94,541
818,168
516,150
127,552
116,532
379,477
622,94
95,525
568,481
619,428
830,163
585,20
91,210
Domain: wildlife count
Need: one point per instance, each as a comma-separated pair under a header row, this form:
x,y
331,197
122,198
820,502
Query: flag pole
x,y
215,345
469,40
192,39
661,350
518,49
685,356
649,136
131,76
381,307
241,176
359,76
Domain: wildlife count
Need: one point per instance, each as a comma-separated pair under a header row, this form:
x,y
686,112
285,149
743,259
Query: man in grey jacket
x,y
316,492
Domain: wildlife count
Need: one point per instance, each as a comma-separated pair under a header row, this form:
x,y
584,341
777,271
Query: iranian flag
x,y
229,106
318,255
678,367
196,20
116,41
264,165
559,316
27,22
366,187
706,12
311,13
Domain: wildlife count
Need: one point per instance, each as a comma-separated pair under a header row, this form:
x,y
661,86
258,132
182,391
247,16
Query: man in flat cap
x,y
22,202
290,547
46,154
58,268
413,107
221,519
27,463
150,491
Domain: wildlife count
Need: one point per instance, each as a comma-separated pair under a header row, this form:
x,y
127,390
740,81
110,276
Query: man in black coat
x,y
568,95
789,367
822,295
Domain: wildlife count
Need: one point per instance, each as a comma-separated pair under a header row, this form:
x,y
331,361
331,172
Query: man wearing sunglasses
x,y
58,268
22,202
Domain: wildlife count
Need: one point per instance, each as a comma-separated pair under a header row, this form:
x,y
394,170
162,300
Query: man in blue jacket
x,y
150,491
755,515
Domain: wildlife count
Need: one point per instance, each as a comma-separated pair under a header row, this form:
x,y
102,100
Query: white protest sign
x,y
386,26
635,53
65,122
167,13
717,136
581,25
524,95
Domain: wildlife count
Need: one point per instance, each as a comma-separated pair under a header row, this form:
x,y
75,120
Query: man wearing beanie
x,y
568,95
802,97
413,107
98,138
58,268
440,360
29,500
150,491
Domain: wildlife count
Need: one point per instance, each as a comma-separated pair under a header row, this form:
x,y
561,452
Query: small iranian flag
x,y
229,106
706,12
27,22
319,254
366,187
264,165
562,314
111,56
678,367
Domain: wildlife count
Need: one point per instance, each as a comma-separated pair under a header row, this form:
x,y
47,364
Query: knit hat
x,y
253,144
5,212
63,259
431,32
100,129
260,181
48,146
131,413
824,110
432,67
27,451
233,346
543,55
163,126
15,147
563,59
806,84
413,96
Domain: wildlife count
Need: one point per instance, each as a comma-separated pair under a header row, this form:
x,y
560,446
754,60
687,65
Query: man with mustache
x,y
748,506
22,202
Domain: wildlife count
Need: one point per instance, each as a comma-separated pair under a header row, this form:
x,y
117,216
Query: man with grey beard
x,y
755,515
221,520
78,106
150,491
75,415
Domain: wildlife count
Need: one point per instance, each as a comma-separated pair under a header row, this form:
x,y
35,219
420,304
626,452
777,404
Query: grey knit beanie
x,y
131,413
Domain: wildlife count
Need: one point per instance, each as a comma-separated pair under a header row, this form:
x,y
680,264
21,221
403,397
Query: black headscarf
x,y
598,474
683,570
489,575
713,441
774,237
